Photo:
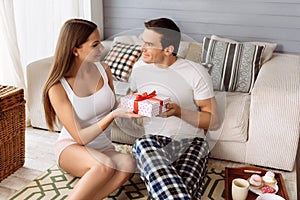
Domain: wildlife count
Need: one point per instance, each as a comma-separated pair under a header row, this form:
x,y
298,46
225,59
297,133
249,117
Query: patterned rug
x,y
55,184
214,183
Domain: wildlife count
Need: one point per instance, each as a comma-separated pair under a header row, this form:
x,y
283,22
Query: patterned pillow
x,y
235,66
121,58
268,50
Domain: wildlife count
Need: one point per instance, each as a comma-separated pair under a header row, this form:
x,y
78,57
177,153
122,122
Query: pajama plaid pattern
x,y
172,169
121,58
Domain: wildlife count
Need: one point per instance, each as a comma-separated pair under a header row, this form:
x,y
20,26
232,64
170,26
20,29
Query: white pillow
x,y
267,53
183,48
128,39
107,44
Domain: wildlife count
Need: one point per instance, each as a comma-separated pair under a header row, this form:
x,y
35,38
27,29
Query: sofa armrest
x,y
275,113
37,73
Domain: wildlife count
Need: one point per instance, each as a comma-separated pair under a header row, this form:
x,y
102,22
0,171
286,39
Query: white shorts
x,y
60,145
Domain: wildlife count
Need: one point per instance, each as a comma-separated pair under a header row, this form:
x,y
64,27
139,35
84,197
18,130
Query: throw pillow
x,y
128,39
194,52
183,48
235,66
267,53
121,58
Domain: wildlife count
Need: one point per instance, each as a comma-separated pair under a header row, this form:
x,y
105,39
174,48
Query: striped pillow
x,y
235,66
121,58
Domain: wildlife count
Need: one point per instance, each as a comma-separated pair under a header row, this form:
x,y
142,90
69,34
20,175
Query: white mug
x,y
239,189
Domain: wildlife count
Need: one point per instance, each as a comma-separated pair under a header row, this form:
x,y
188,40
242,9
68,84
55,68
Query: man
x,y
172,155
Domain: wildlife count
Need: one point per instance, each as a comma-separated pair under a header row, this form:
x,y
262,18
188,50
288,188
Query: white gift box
x,y
148,105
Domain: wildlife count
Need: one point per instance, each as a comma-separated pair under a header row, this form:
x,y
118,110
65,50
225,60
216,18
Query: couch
x,y
259,127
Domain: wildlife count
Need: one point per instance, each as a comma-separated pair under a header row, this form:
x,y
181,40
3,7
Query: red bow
x,y
141,97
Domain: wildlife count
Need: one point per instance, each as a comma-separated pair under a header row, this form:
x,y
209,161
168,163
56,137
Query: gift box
x,y
148,105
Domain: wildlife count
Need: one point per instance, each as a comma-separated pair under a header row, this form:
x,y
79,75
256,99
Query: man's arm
x,y
206,117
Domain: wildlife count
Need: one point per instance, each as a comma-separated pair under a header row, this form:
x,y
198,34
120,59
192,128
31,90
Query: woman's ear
x,y
169,50
75,51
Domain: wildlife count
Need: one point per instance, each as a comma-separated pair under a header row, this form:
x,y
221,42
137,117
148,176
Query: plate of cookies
x,y
269,197
265,184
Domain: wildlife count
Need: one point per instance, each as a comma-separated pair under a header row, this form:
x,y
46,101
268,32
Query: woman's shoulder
x,y
56,89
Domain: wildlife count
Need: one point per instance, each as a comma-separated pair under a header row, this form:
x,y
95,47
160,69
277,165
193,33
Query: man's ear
x,y
169,50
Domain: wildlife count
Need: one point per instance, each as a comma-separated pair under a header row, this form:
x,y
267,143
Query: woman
x,y
79,92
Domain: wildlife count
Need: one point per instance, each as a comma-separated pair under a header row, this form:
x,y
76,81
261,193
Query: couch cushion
x,y
128,39
194,52
106,47
234,116
121,58
126,130
183,48
235,66
267,53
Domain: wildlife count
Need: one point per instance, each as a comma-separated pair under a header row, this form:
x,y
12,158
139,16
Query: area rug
x,y
214,183
55,184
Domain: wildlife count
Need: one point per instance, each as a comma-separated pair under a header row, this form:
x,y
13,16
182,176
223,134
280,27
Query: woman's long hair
x,y
73,34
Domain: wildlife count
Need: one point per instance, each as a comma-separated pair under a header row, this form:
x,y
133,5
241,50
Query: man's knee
x,y
141,142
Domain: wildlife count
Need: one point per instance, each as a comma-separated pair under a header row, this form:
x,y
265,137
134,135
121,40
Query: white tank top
x,y
91,109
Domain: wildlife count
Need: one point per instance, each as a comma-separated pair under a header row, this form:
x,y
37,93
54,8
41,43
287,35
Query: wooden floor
x,y
39,156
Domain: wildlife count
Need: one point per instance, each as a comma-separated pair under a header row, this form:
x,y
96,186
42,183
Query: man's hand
x,y
206,117
173,109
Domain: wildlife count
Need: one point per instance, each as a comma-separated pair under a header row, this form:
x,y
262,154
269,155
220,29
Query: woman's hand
x,y
125,113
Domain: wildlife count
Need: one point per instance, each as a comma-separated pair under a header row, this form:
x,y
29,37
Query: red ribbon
x,y
142,97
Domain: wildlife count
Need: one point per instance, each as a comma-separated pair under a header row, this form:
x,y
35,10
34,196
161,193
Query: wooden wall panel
x,y
248,20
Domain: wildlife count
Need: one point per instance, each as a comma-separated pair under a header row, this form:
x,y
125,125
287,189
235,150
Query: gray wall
x,y
244,20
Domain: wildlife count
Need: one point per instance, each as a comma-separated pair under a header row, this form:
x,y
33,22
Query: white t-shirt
x,y
184,81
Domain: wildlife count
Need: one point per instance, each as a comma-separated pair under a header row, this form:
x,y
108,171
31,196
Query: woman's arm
x,y
65,113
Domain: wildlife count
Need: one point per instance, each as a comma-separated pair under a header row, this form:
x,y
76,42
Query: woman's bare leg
x,y
98,171
125,166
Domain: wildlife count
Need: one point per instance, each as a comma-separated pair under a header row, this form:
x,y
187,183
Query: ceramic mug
x,y
239,189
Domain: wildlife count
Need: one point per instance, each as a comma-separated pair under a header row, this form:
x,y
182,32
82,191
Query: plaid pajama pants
x,y
172,169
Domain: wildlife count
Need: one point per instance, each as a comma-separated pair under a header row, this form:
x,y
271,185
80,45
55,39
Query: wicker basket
x,y
12,130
